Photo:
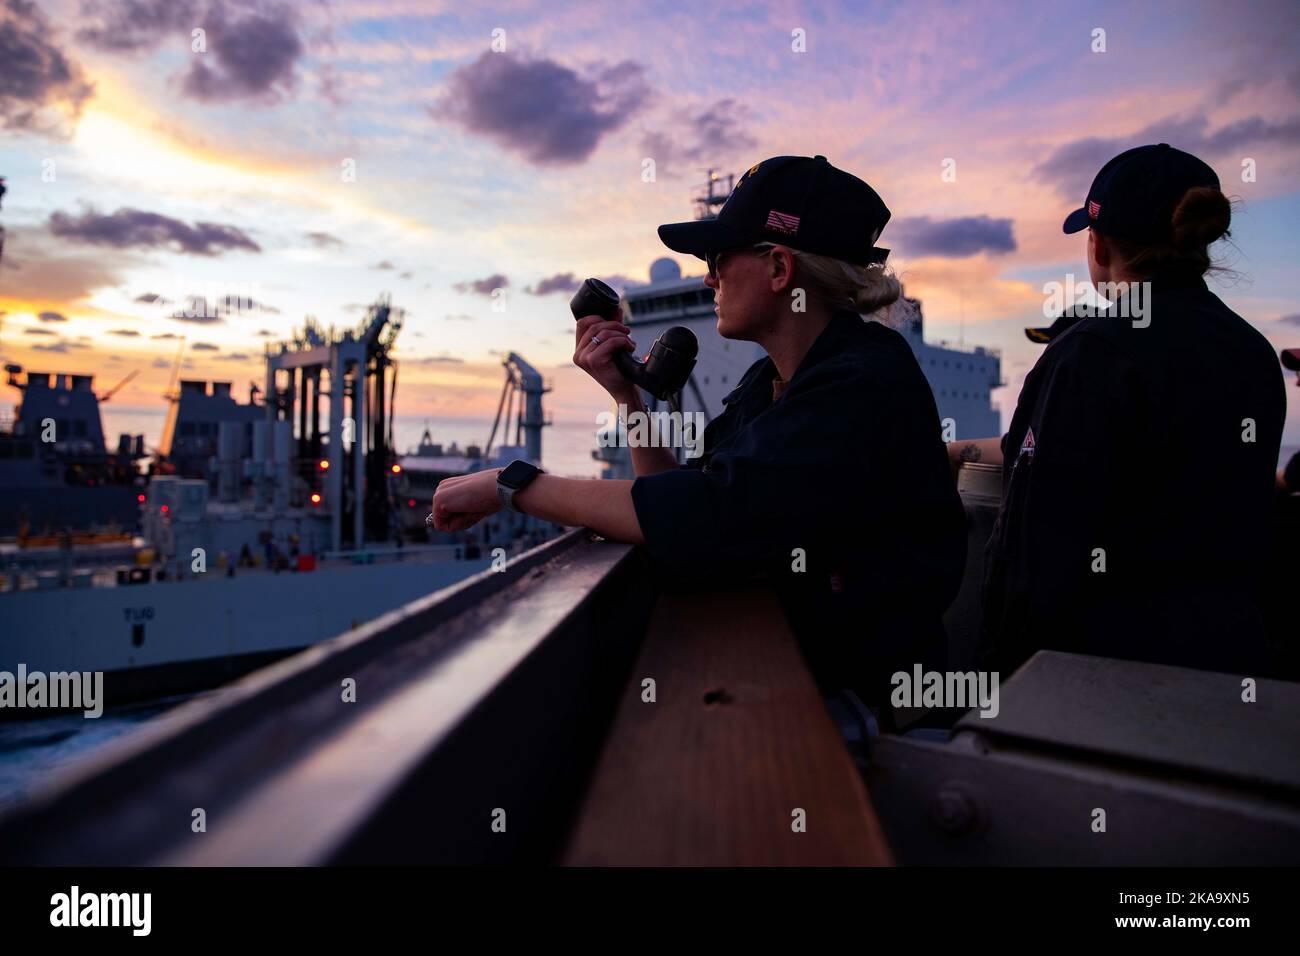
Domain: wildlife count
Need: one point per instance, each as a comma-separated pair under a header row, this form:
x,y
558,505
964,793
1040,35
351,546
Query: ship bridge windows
x,y
17,448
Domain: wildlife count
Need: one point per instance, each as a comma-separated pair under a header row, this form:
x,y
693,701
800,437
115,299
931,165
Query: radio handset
x,y
670,361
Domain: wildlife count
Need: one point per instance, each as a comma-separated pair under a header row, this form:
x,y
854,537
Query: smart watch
x,y
514,478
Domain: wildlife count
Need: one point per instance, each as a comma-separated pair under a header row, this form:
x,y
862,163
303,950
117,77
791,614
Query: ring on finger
x,y
595,340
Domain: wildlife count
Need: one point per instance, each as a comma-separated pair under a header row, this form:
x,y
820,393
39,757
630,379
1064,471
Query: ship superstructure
x,y
55,468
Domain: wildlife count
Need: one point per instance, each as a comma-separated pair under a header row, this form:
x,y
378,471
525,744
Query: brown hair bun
x,y
1201,217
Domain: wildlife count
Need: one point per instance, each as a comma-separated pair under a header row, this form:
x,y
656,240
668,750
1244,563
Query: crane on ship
x,y
521,400
118,387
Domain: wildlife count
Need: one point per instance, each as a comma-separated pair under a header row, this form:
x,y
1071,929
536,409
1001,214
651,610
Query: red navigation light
x,y
324,464
164,509
410,503
140,498
315,499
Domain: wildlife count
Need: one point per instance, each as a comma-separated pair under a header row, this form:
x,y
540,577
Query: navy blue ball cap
x,y
1135,194
797,201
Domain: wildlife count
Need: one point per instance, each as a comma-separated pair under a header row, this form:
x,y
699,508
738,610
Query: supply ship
x,y
256,529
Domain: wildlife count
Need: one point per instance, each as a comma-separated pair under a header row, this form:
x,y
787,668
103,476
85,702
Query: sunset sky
x,y
502,146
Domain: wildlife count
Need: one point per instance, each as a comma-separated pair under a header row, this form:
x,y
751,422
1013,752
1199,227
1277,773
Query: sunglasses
x,y
713,259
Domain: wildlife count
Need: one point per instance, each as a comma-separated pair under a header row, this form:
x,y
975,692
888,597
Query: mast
x,y
707,205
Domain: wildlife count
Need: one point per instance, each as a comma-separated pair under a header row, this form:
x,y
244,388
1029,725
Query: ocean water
x,y
32,751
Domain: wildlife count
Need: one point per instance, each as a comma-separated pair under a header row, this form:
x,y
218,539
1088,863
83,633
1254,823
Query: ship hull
x,y
174,637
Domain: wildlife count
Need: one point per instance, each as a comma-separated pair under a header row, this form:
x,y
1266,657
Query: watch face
x,y
516,474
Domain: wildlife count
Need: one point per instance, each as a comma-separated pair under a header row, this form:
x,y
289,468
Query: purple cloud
x,y
483,286
253,56
137,228
951,238
545,111
127,26
35,74
324,240
713,136
252,48
560,282
1072,166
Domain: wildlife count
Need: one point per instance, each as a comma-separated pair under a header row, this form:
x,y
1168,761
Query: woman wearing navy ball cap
x,y
1095,549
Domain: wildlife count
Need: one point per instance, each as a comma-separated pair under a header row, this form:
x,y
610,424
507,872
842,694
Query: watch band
x,y
506,493
506,496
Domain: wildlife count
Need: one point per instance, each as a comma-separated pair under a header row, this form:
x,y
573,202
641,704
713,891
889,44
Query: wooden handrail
x,y
736,742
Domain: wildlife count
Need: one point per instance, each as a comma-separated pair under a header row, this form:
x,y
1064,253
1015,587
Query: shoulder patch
x,y
1027,446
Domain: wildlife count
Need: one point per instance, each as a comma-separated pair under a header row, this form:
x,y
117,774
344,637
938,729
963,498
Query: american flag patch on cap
x,y
782,222
1094,209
